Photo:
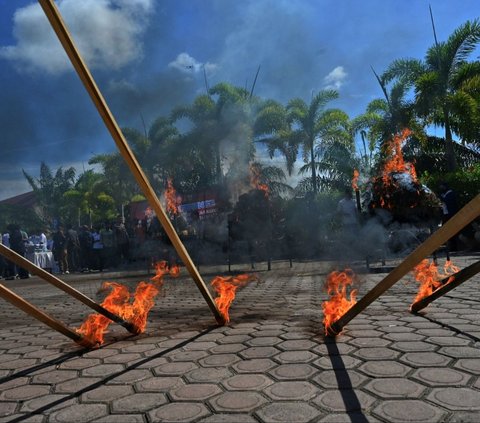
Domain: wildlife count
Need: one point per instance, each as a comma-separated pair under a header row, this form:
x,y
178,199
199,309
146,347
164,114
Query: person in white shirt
x,y
347,210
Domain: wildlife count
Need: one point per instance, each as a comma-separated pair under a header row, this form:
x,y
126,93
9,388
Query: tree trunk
x,y
314,172
449,151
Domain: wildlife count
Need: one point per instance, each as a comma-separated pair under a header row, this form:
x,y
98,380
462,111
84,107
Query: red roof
x,y
24,200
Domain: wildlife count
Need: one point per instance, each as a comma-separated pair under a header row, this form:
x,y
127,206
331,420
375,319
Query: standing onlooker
x,y
97,250
73,249
108,240
86,242
17,244
449,208
60,250
9,267
123,241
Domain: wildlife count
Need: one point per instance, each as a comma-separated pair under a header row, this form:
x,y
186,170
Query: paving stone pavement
x,y
272,363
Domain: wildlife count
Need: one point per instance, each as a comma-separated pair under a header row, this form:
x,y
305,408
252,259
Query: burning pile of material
x,y
131,307
397,188
226,287
340,301
427,275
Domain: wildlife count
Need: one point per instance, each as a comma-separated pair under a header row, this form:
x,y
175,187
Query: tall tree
x,y
49,188
313,125
437,80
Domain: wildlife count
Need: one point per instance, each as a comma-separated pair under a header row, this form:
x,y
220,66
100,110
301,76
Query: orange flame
x,y
338,304
255,180
356,175
171,198
119,302
396,162
226,287
427,275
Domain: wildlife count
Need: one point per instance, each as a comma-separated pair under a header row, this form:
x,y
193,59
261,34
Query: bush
x,y
465,183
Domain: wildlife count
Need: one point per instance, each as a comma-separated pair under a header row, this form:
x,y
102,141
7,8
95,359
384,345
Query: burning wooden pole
x,y
63,35
446,286
443,234
48,277
38,314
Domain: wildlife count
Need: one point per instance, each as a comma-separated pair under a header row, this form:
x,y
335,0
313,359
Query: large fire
x,y
256,180
337,285
226,287
171,198
395,161
397,189
428,276
132,307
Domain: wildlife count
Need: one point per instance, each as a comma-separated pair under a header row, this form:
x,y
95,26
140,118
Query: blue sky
x,y
148,56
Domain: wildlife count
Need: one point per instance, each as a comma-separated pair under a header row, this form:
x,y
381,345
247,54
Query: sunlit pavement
x,y
271,363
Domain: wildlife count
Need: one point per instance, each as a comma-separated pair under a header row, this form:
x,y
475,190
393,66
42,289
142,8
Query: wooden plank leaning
x,y
52,279
466,215
83,72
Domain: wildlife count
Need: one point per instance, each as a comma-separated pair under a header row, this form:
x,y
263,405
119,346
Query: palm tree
x,y
222,115
49,189
313,125
437,81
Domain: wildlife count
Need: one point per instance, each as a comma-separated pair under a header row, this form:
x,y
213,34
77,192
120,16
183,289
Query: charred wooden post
x,y
455,280
83,72
38,314
48,277
449,229
357,198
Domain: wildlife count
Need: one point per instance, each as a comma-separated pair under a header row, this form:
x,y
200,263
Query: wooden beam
x,y
48,277
439,237
38,314
83,72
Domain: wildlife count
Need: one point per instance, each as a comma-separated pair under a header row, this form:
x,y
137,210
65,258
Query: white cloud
x,y
335,79
107,33
188,64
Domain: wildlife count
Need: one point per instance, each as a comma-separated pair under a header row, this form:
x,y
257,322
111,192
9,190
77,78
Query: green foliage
x,y
464,183
27,218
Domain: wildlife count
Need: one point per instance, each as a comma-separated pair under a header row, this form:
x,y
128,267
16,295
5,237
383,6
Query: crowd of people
x,y
80,249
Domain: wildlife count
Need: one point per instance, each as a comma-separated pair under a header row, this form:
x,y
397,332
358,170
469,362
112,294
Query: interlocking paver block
x,y
418,346
288,412
377,353
79,413
219,360
74,385
344,400
293,371
295,357
456,398
340,379
188,355
208,374
245,382
159,384
229,418
179,412
259,352
52,402
106,393
346,362
79,363
471,365
408,411
300,390
370,342
237,402
460,352
425,359
7,408
23,393
102,370
174,369
54,376
138,402
437,376
131,376
395,388
195,392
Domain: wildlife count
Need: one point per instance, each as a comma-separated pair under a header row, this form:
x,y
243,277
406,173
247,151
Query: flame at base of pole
x,y
226,287
337,285
119,302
